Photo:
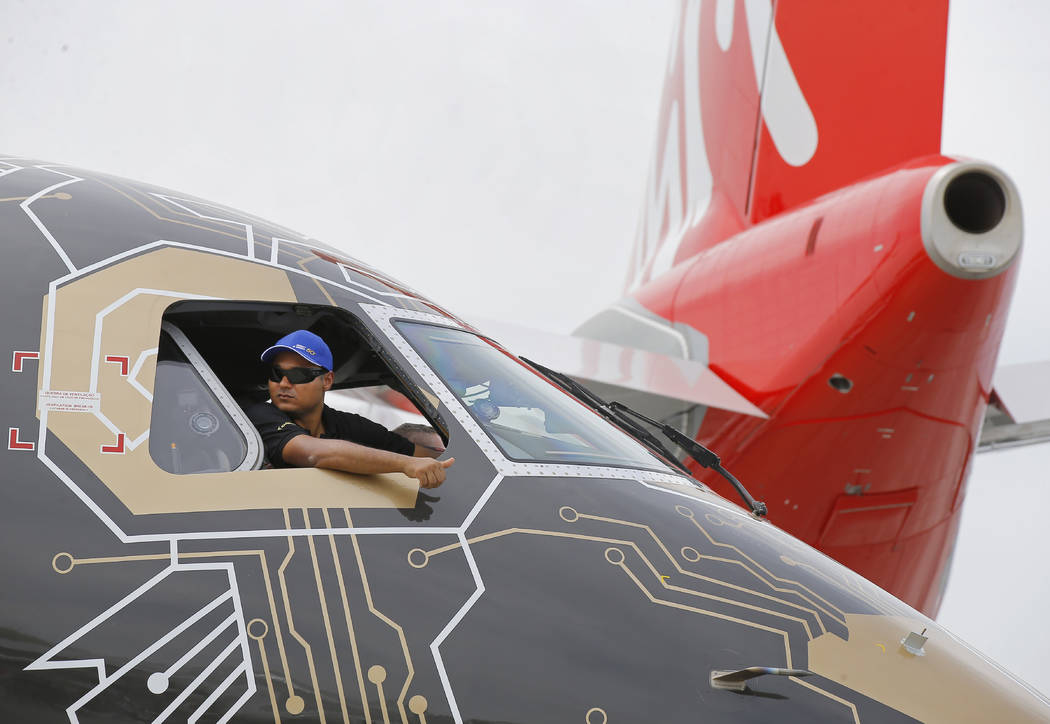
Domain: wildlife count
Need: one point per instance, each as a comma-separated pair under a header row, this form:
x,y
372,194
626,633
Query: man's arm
x,y
311,452
426,439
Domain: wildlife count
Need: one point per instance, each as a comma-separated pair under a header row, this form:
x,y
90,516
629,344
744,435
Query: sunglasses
x,y
296,375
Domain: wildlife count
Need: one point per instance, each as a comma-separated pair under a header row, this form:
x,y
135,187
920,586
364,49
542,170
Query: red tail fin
x,y
767,105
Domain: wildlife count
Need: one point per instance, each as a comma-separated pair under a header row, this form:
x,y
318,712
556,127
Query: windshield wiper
x,y
606,410
617,413
704,457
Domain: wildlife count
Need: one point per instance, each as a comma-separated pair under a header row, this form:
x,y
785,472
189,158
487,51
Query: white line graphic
x,y
70,179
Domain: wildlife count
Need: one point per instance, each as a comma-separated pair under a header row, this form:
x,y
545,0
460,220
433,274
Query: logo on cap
x,y
304,343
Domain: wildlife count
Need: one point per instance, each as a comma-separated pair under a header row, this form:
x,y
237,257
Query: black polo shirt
x,y
276,428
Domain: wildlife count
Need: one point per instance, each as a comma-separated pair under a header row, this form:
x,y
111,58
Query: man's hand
x,y
429,472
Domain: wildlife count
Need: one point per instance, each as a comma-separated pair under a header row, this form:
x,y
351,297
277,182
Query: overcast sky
x,y
494,156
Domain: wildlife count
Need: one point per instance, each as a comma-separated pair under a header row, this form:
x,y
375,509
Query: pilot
x,y
422,435
299,430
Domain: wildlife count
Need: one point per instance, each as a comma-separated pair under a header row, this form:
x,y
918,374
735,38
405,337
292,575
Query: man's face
x,y
298,400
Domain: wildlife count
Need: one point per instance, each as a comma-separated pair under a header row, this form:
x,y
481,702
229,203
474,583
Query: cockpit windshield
x,y
529,418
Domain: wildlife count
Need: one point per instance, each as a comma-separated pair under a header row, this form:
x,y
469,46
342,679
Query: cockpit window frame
x,y
253,458
658,467
395,374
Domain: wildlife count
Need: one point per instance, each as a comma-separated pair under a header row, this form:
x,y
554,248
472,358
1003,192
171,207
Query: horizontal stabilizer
x,y
626,372
1019,411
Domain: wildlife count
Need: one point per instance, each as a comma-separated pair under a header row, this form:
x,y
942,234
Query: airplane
x,y
563,572
164,558
804,243
815,287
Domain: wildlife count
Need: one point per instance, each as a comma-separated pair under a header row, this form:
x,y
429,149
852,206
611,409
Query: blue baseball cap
x,y
305,344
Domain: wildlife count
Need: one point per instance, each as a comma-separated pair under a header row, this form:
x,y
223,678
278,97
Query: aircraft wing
x,y
1019,410
640,378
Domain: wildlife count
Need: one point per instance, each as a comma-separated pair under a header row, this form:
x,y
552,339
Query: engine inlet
x,y
974,202
971,220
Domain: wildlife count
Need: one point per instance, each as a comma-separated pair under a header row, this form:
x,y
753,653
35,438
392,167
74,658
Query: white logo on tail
x,y
787,115
785,111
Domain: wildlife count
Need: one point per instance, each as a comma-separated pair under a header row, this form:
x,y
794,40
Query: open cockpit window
x,y
209,371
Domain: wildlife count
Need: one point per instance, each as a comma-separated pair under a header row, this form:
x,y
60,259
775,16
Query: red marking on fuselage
x,y
13,443
19,357
115,449
124,362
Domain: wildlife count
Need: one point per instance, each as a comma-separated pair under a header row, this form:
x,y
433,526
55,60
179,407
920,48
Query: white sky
x,y
494,156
